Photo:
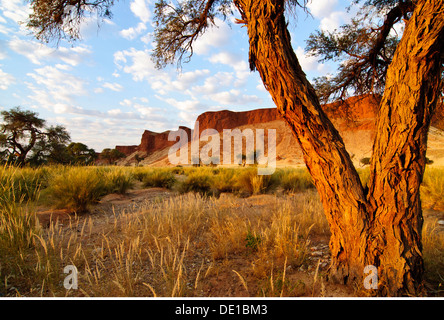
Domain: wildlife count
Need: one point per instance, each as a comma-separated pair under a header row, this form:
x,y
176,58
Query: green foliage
x,y
111,155
79,154
55,20
21,184
199,181
159,178
252,241
225,180
24,138
178,25
365,161
118,180
76,188
363,50
295,180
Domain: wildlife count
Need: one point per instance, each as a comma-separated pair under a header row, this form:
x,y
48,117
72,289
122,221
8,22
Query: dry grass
x,y
188,245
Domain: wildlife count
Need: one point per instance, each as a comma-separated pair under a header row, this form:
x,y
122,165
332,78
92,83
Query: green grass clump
x,y
118,181
76,188
225,180
198,181
159,178
250,182
295,180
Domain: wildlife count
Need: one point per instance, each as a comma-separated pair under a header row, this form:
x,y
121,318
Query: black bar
x,y
230,309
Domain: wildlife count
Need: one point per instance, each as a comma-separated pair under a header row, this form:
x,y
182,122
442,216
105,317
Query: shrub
x,y
159,178
295,180
199,181
225,180
23,184
365,161
118,181
250,182
76,188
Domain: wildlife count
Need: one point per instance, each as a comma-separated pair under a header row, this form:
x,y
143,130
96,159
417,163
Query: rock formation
x,y
127,150
354,118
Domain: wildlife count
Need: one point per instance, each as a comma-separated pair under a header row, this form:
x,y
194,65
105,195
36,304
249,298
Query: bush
x,y
159,178
77,188
252,183
365,161
199,181
118,181
225,180
295,180
21,184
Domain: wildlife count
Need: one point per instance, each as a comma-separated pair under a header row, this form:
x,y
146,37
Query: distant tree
x,y
51,148
111,155
25,138
138,159
80,154
365,161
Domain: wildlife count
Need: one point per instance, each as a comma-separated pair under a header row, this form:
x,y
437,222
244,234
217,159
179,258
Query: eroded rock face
x,y
153,141
127,150
220,120
354,118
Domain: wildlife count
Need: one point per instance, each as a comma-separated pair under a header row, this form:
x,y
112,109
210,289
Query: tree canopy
x,y
364,48
25,136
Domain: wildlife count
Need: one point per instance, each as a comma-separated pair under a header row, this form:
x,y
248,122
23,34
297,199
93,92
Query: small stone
x,y
441,222
317,254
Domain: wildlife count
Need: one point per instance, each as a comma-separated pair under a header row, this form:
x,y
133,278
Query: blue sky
x,y
104,88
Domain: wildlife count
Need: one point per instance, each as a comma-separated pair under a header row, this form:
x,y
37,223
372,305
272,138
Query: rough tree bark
x,y
381,227
398,163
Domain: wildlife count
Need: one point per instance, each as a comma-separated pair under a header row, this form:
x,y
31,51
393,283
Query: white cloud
x,y
5,80
113,86
309,63
141,67
215,83
15,10
55,86
321,8
235,61
132,33
186,105
333,21
215,37
141,10
37,52
234,97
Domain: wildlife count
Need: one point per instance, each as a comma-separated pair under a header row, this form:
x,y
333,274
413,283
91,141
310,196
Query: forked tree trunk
x,y
359,222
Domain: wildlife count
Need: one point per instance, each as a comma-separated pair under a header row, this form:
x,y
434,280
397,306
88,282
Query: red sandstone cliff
x,y
127,150
355,118
152,141
220,120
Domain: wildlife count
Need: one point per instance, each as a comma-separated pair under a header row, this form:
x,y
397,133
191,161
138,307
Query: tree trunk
x,y
324,151
381,228
398,162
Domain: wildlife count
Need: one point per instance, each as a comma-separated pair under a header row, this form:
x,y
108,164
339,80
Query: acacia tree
x,y
23,133
378,224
